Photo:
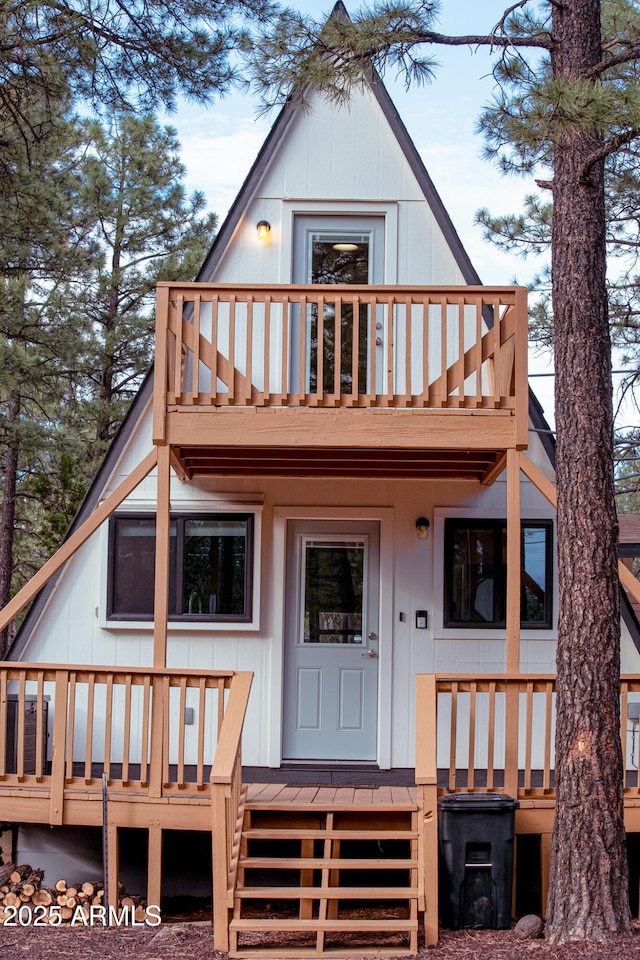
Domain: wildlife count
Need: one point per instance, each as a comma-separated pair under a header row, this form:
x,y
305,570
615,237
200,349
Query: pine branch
x,y
607,149
542,41
631,54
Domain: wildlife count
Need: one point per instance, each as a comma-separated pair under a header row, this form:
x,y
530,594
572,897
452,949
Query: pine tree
x,y
146,230
40,243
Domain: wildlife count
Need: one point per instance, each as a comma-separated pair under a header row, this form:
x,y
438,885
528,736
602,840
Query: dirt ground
x,y
194,941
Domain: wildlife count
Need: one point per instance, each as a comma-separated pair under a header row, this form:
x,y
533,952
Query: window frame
x,y
180,519
498,526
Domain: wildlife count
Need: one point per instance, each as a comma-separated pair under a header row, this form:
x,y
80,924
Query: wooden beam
x,y
538,479
113,865
154,866
521,381
426,703
426,776
628,581
56,804
514,561
160,365
163,526
495,471
220,867
75,541
231,729
341,427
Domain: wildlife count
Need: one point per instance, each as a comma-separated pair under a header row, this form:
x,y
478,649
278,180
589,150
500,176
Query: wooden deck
x,y
241,387
329,859
286,796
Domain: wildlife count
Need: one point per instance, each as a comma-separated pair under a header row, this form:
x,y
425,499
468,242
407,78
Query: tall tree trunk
x,y
588,885
7,520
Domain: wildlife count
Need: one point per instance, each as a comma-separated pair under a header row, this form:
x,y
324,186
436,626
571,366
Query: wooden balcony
x,y
340,380
496,733
72,735
115,747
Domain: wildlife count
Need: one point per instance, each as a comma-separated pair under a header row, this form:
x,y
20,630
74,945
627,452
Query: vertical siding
x,y
70,631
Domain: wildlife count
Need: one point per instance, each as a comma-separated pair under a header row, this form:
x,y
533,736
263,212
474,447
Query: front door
x,y
331,641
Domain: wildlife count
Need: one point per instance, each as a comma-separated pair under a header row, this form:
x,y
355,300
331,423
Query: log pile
x,y
21,888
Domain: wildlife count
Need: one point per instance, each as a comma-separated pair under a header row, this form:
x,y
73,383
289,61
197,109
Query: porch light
x,y
344,247
264,229
422,527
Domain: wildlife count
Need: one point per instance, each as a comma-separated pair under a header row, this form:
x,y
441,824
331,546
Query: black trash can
x,y
476,832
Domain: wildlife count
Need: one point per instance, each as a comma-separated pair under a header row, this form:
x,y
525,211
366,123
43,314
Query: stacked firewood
x,y
21,887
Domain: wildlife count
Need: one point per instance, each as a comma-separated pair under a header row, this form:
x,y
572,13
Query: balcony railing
x,y
496,733
151,732
328,346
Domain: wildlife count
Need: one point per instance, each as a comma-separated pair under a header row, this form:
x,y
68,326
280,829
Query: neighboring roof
x,y
629,534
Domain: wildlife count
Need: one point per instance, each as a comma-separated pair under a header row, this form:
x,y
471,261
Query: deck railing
x,y
496,733
328,346
150,731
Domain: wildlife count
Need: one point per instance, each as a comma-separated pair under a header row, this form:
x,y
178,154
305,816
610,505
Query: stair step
x,y
346,926
300,953
372,894
317,863
281,833
332,807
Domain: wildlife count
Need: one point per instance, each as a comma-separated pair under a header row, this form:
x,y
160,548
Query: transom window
x,y
476,573
210,564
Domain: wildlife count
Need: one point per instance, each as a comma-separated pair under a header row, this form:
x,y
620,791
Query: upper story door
x,y
341,250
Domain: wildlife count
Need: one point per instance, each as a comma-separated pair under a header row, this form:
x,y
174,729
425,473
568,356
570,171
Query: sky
x,y
220,142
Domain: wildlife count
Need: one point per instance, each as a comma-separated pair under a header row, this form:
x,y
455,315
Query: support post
x,y
545,867
514,561
219,832
427,798
59,739
154,866
161,596
113,867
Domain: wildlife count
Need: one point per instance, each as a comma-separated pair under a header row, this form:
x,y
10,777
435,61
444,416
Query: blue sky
x,y
221,141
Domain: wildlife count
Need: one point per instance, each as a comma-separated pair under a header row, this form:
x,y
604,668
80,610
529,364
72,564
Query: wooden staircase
x,y
326,871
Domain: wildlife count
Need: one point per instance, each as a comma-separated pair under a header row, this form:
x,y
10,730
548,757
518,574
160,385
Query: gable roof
x,y
267,153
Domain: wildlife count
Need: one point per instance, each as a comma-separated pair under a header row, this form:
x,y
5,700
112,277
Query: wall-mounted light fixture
x,y
422,528
264,229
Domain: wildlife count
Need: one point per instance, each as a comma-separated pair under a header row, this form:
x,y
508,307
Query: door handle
x,y
372,654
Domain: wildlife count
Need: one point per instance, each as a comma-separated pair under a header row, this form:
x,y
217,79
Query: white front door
x,y
331,641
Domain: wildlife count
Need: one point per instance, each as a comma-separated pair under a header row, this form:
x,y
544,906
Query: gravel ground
x,y
194,942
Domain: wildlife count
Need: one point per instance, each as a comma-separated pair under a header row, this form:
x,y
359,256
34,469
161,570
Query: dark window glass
x,y
476,571
209,568
214,567
333,592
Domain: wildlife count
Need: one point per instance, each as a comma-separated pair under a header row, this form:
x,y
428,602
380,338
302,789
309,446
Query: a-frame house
x,y
337,483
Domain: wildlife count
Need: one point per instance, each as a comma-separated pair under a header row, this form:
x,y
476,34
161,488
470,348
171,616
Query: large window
x,y
476,573
210,564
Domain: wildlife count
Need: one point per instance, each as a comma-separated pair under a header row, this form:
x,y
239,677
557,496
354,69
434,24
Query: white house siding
x,y
340,160
73,629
